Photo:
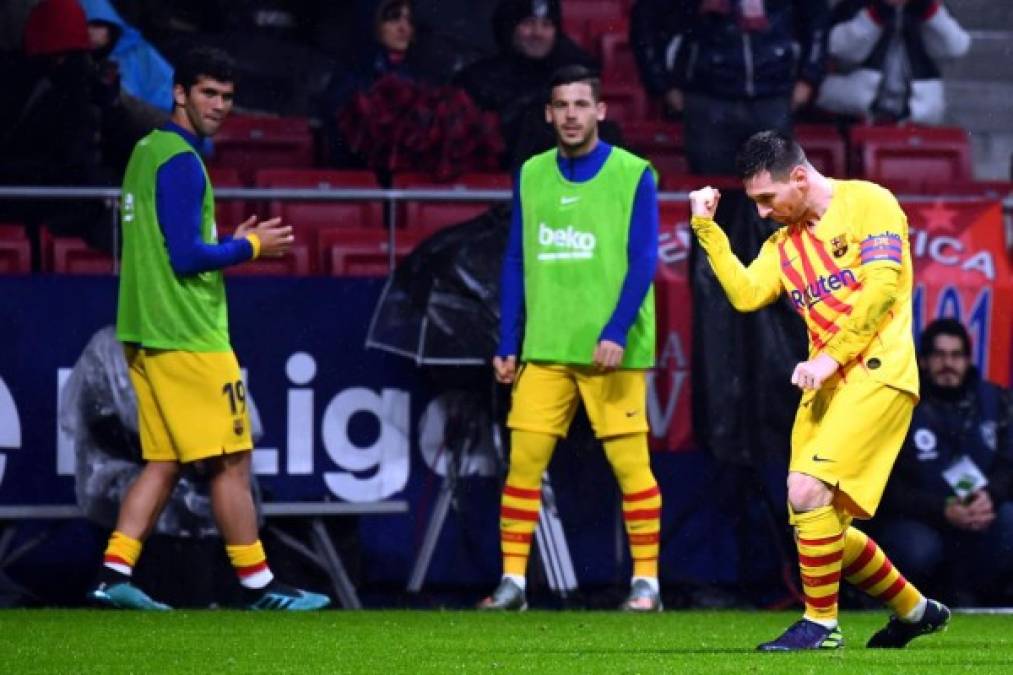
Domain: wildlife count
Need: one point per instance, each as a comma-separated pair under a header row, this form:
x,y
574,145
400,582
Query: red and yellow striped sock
x,y
250,563
820,540
122,553
522,495
867,567
631,463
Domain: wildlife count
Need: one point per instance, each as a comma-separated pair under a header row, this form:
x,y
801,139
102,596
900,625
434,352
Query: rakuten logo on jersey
x,y
577,244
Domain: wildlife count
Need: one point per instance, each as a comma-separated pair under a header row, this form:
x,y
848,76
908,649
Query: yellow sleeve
x,y
883,238
747,288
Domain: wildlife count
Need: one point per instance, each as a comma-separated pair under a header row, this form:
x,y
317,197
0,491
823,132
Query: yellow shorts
x,y
849,436
545,399
190,405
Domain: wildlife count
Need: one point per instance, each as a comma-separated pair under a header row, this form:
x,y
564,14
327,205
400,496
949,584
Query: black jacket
x,y
717,54
974,422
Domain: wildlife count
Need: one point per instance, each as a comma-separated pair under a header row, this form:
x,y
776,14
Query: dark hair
x,y
204,62
576,73
946,326
390,10
771,151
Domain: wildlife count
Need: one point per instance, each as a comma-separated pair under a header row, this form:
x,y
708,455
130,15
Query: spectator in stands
x,y
387,50
143,72
514,82
886,55
51,123
730,67
948,510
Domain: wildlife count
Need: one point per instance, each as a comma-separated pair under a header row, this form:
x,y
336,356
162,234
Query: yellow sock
x,y
529,455
250,563
122,553
868,568
820,539
631,463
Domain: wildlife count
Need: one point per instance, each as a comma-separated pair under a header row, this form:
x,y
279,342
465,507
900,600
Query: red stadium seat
x,y
228,212
362,253
824,146
433,215
309,218
15,256
12,231
685,182
248,143
617,61
584,20
660,142
626,102
71,255
295,264
302,214
912,157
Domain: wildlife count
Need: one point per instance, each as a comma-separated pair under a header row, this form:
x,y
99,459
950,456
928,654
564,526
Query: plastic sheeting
x,y
99,412
441,307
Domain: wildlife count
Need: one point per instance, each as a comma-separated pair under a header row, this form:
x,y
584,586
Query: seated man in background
x,y
948,513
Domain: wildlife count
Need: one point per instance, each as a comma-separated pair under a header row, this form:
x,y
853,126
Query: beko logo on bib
x,y
579,244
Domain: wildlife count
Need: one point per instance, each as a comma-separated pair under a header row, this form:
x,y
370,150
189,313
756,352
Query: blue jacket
x,y
144,73
678,45
975,422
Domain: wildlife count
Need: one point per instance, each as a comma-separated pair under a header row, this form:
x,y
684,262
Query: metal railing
x,y
390,197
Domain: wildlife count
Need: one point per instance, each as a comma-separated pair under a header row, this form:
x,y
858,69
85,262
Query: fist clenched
x,y
704,202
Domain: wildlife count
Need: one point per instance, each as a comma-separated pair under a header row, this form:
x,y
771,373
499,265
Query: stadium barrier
x,y
964,269
319,550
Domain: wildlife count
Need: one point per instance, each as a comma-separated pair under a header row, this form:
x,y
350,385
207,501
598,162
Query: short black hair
x,y
946,326
204,61
576,73
772,151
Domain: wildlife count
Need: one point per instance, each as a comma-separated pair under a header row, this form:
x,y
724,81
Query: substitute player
x,y
173,323
580,260
844,262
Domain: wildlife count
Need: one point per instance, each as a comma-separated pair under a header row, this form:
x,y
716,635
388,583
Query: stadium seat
x,y
824,146
362,253
15,256
685,182
584,21
71,255
911,157
617,60
429,216
295,264
626,101
228,212
309,218
248,143
660,142
303,214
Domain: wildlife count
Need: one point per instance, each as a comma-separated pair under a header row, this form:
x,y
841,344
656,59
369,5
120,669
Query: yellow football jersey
x,y
825,272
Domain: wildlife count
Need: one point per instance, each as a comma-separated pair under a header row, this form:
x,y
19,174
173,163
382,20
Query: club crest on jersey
x,y
839,246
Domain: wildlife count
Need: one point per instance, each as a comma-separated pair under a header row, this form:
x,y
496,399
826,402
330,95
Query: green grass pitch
x,y
382,642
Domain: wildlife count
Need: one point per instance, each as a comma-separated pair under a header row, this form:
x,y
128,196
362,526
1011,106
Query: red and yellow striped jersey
x,y
849,278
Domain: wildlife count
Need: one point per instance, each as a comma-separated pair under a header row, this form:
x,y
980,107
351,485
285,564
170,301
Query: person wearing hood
x,y
948,510
513,83
144,73
387,50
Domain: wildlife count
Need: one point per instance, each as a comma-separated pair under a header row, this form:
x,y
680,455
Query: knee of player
x,y
806,493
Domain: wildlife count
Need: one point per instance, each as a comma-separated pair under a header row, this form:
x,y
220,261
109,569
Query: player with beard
x,y
579,266
843,259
